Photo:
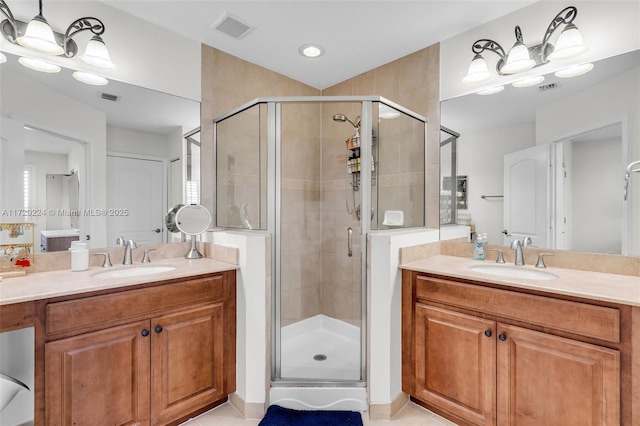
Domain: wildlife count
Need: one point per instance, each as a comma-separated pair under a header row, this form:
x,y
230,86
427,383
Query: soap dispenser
x,y
478,248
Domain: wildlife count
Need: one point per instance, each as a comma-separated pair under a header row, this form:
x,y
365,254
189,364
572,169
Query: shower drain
x,y
320,357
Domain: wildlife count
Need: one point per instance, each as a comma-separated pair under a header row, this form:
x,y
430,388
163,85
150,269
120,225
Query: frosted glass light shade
x,y
39,65
39,37
518,60
96,54
478,71
569,44
88,78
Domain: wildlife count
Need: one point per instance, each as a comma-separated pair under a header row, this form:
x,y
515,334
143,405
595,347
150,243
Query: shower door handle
x,y
349,241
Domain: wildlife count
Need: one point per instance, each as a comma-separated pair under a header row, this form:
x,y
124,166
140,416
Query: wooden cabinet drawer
x,y
574,317
91,311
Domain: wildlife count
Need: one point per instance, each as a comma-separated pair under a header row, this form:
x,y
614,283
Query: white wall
x,y
137,142
596,208
384,316
609,28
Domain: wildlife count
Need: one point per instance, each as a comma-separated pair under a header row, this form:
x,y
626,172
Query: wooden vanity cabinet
x,y
149,356
471,354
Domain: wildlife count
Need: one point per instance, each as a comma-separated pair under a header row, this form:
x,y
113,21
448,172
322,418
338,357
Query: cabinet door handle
x,y
502,337
158,329
488,333
145,333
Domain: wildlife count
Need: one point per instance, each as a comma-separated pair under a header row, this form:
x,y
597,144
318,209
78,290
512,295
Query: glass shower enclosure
x,y
306,169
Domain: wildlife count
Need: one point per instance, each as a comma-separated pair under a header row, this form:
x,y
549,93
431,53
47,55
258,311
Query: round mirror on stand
x,y
192,219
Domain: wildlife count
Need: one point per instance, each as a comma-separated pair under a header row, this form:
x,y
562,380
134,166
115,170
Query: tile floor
x,y
410,415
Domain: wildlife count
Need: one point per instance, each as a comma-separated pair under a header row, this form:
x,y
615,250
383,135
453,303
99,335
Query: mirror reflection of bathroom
x,y
52,168
579,126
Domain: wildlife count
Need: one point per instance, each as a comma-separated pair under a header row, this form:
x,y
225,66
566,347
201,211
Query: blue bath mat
x,y
280,416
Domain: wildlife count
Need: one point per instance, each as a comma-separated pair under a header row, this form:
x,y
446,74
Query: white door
x,y
526,188
136,199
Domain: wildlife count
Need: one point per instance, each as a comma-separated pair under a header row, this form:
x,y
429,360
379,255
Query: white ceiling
x,y
357,35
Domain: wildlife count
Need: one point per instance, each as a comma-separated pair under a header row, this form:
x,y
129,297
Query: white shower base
x,y
336,340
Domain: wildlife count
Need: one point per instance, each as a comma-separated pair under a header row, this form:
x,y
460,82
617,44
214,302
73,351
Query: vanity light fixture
x,y
311,50
522,58
38,36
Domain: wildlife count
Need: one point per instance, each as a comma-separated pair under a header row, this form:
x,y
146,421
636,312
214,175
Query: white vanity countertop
x,y
623,289
44,285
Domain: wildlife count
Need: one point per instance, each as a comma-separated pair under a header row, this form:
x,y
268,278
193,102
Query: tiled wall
x,y
318,277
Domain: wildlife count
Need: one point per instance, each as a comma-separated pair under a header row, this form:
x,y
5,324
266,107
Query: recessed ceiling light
x,y
574,71
311,50
491,91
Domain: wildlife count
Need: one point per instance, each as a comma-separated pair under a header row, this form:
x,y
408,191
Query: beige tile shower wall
x,y
341,293
301,274
412,81
227,83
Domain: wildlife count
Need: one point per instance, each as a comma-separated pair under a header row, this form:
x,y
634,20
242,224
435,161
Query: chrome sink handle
x,y
107,260
541,256
500,258
145,258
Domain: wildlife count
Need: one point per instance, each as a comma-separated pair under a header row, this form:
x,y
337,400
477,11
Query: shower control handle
x,y
349,241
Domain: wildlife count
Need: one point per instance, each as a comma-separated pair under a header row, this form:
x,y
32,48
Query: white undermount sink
x,y
514,272
134,271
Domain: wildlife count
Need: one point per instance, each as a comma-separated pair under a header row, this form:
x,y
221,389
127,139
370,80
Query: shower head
x,y
343,118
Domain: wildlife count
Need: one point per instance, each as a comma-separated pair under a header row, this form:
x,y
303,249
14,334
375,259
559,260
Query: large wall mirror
x,y
548,161
118,155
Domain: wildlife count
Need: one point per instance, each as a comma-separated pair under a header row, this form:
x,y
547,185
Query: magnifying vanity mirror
x,y
133,151
190,219
583,131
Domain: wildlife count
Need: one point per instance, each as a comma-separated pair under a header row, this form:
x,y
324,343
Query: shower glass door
x,y
319,299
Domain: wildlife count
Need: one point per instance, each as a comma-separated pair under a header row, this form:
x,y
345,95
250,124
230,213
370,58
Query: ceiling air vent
x,y
546,87
232,25
108,97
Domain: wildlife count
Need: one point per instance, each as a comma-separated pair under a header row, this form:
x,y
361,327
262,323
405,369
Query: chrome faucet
x,y
518,245
128,247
